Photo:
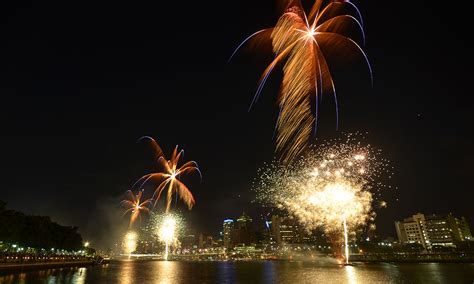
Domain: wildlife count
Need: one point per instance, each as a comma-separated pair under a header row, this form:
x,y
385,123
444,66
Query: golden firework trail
x,y
169,178
306,44
135,206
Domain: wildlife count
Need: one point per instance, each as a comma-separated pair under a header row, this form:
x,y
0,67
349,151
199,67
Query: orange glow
x,y
170,177
306,44
135,206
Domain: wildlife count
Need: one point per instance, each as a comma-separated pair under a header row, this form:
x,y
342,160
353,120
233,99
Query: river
x,y
249,272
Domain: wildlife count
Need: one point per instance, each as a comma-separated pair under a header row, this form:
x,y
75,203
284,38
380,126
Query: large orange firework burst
x,y
169,178
135,206
306,44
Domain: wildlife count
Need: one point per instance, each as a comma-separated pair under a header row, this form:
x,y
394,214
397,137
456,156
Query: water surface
x,y
248,272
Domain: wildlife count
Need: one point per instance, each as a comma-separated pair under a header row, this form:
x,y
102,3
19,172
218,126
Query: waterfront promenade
x,y
44,265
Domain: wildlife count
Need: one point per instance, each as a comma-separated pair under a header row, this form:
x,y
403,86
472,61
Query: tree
x,y
36,231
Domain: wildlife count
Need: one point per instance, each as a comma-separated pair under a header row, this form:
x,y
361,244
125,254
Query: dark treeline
x,y
36,231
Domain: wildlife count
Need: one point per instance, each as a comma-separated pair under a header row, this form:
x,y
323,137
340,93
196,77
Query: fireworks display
x,y
166,233
332,188
169,178
307,43
129,243
334,201
167,228
135,206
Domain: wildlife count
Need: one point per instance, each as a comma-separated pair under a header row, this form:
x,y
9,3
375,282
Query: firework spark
x,y
135,206
170,177
307,43
129,243
154,146
166,233
167,228
332,188
334,201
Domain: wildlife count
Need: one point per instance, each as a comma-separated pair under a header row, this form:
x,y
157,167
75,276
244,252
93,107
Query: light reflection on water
x,y
351,275
127,272
226,271
80,276
165,272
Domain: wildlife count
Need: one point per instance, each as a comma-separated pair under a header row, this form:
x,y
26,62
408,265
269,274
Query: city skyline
x,y
274,141
77,96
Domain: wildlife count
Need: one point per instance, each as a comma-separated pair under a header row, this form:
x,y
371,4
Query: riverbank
x,y
414,258
391,258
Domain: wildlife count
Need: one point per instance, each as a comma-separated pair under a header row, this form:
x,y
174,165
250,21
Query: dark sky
x,y
81,81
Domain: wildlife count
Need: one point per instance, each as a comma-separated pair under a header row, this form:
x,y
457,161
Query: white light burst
x,y
167,228
331,188
129,244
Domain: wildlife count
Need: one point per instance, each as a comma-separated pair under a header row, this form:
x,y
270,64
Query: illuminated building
x,y
244,233
244,221
289,231
228,228
433,230
189,241
461,226
275,229
411,230
247,250
286,230
205,241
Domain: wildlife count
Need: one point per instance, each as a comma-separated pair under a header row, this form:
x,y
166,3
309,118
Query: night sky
x,y
81,81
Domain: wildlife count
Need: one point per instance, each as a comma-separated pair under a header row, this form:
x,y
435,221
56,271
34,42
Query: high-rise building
x,y
244,221
206,241
411,230
461,226
433,230
275,229
289,231
227,232
439,232
286,230
189,241
244,233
